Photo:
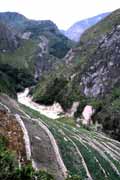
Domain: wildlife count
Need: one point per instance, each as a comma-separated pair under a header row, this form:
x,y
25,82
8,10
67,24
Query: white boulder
x,y
87,113
26,35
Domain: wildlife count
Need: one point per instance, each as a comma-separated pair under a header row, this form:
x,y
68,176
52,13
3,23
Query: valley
x,y
49,84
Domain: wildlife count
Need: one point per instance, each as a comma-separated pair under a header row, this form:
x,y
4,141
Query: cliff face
x,y
9,41
102,72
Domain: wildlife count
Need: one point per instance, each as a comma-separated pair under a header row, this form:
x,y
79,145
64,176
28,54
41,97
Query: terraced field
x,y
86,153
89,154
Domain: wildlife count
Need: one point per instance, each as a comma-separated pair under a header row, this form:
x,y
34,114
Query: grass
x,y
90,160
109,170
64,131
6,85
67,120
10,170
22,57
102,27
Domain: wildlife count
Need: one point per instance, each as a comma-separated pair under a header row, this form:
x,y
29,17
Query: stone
x,y
78,125
87,114
118,27
26,35
102,73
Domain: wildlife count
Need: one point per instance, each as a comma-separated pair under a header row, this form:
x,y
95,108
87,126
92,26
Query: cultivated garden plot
x,y
86,153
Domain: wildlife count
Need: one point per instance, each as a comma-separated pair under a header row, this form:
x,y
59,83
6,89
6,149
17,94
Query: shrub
x,y
74,178
18,78
9,169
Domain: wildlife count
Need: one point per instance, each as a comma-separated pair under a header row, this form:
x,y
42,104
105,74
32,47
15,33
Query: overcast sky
x,y
63,12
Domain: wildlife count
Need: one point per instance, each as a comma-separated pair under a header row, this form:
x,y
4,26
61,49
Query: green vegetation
x,y
22,57
9,169
87,54
74,178
102,27
6,85
109,113
64,85
52,91
56,89
58,45
92,146
13,80
67,120
19,78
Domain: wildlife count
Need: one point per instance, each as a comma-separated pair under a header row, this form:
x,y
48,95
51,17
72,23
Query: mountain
x,y
9,41
33,146
12,79
89,75
30,47
13,19
76,30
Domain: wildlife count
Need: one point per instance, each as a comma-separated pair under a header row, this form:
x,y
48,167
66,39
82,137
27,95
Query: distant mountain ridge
x,y
20,22
77,29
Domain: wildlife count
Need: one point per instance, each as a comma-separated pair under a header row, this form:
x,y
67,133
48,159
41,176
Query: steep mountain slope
x,y
31,47
8,42
89,75
76,30
8,39
41,39
58,146
87,154
103,67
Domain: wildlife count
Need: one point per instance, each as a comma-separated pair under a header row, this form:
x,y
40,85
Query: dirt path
x,y
44,150
49,111
41,146
26,137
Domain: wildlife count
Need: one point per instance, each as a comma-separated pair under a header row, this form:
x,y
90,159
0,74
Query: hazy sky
x,y
63,12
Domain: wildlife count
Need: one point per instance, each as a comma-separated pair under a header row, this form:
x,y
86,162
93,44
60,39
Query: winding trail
x,y
55,148
26,137
52,112
44,150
